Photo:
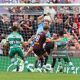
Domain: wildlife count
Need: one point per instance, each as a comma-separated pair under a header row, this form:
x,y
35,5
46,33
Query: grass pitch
x,y
37,76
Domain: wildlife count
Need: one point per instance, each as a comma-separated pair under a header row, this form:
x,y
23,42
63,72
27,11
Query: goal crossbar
x,y
37,4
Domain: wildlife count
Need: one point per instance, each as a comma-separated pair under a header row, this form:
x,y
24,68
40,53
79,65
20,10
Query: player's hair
x,y
61,33
46,28
15,28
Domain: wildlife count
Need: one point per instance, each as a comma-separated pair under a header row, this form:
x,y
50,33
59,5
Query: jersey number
x,y
14,42
37,38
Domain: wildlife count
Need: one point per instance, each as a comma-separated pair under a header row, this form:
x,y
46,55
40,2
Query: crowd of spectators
x,y
28,24
39,1
18,9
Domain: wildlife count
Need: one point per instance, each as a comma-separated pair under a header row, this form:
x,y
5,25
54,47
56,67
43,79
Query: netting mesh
x,y
27,18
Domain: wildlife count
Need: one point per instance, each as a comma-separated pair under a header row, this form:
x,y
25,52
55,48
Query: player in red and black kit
x,y
49,45
38,48
38,45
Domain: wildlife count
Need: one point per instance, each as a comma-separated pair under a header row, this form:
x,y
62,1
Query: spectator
x,y
24,1
75,1
78,23
57,26
3,48
1,24
6,23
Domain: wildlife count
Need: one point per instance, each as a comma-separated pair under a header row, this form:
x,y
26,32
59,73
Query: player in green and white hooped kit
x,y
15,41
62,48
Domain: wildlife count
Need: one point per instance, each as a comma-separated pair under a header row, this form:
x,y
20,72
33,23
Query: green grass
x,y
37,76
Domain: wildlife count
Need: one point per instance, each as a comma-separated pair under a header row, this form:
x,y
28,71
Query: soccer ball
x,y
30,67
48,67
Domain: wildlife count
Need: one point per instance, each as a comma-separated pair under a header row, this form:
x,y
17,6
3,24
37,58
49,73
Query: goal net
x,y
28,18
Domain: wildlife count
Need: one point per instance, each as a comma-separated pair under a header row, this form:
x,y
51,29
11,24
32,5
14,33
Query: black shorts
x,y
49,46
38,50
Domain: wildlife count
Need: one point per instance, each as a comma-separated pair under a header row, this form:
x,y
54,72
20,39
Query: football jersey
x,y
14,39
40,38
61,44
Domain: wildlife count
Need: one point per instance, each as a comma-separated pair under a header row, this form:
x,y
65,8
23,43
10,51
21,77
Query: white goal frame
x,y
37,4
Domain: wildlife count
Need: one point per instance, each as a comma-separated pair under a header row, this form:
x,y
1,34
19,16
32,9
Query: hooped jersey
x,y
14,39
62,43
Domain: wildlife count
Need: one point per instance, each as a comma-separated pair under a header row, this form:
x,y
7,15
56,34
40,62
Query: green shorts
x,y
64,54
16,50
